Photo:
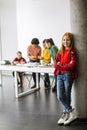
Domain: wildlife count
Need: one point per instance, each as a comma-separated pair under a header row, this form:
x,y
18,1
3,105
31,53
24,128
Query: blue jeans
x,y
34,74
64,86
46,80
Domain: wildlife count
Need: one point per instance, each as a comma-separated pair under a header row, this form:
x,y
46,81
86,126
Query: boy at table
x,y
19,60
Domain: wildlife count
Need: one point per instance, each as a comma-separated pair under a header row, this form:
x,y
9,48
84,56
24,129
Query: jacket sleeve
x,y
57,59
71,64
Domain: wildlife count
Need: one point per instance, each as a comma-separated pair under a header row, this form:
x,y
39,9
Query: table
x,y
25,68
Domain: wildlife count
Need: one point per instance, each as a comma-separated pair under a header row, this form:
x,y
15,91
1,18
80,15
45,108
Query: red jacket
x,y
66,62
19,60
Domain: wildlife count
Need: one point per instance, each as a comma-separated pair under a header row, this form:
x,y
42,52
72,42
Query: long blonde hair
x,y
70,35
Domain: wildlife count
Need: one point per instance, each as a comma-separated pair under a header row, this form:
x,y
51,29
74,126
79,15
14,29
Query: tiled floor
x,y
37,111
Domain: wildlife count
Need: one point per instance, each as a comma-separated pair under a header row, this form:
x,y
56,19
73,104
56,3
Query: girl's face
x,y
48,45
45,45
66,41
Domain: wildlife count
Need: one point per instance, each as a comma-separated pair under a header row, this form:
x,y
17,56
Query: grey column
x,y
78,19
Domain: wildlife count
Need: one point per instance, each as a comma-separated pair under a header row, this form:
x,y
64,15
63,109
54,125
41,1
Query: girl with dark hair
x,y
33,53
46,59
53,50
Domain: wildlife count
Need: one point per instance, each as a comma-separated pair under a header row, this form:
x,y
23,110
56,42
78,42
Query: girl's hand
x,y
33,57
58,63
39,57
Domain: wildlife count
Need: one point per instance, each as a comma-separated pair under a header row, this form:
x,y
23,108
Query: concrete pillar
x,y
78,19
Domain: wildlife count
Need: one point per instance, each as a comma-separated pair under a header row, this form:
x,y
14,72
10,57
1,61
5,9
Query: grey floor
x,y
37,111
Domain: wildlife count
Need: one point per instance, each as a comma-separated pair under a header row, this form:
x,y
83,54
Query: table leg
x,y
28,91
0,78
16,85
37,81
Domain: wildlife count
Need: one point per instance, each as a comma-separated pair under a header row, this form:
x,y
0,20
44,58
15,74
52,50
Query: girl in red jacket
x,y
65,64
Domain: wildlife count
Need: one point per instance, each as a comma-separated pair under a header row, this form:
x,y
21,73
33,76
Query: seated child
x,y
19,60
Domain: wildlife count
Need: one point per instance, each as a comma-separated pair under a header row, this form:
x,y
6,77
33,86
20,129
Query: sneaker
x,y
54,89
63,118
72,117
34,86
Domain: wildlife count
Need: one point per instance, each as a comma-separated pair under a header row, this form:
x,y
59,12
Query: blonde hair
x,y
70,35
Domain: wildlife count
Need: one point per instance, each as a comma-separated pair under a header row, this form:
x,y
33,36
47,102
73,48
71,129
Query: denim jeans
x,y
34,74
64,86
46,80
55,81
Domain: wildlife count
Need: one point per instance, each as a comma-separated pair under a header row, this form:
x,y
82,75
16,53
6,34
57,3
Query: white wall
x,y
21,20
41,19
8,28
0,32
